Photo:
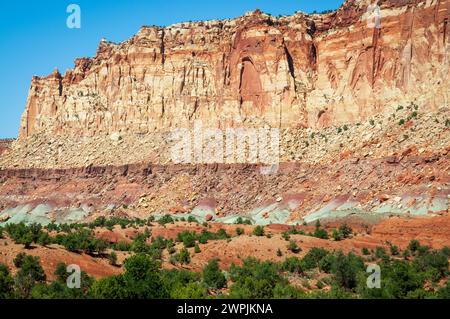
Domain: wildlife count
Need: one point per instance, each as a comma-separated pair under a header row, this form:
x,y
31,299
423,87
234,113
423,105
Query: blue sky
x,y
34,38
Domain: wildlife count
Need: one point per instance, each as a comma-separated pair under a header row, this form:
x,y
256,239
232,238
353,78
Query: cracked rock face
x,y
257,70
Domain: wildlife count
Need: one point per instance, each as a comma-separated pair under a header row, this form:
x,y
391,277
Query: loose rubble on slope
x,y
383,135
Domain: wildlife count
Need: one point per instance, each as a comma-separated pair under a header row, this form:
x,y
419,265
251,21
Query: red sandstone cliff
x,y
301,70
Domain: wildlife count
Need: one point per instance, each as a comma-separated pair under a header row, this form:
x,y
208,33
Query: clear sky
x,y
34,38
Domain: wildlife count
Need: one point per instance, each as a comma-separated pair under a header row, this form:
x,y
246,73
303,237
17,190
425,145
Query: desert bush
x,y
212,276
320,232
112,257
255,279
166,219
312,259
192,219
187,238
433,264
279,252
345,231
30,273
242,221
293,265
293,247
24,235
83,240
413,245
346,268
258,231
183,256
394,250
122,246
6,283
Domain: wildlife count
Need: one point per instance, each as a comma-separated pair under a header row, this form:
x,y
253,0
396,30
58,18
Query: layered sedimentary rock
x,y
257,70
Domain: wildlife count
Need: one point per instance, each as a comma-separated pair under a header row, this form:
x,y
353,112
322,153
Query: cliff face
x,y
302,70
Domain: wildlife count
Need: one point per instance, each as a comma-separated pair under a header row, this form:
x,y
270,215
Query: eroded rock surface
x,y
295,71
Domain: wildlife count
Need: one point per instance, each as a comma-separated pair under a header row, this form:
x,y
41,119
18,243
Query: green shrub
x,y
184,257
423,250
326,263
255,279
319,232
212,276
312,259
380,252
122,246
192,219
279,252
206,235
110,288
166,219
400,279
258,231
6,283
61,272
394,250
52,227
112,257
222,234
24,235
413,245
293,247
239,231
142,278
187,238
293,265
446,251
345,231
192,290
406,254
336,235
83,240
30,273
44,239
442,293
434,264
242,221
346,269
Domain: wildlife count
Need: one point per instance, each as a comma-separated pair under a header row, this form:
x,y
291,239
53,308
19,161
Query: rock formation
x,y
297,71
5,144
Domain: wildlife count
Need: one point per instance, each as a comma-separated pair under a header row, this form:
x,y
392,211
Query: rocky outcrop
x,y
296,71
5,144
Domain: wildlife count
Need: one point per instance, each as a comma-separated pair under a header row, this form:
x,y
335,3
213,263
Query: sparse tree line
x,y
415,272
80,238
419,273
